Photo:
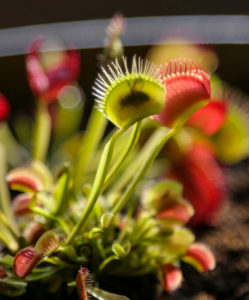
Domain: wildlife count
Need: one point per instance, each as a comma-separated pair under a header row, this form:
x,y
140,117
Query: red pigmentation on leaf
x,y
25,261
209,118
24,179
33,232
176,211
187,85
83,281
4,108
46,82
20,204
201,257
172,278
204,182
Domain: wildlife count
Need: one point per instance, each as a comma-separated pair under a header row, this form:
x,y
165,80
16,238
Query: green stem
x,y
97,185
157,141
42,132
106,262
59,221
125,178
132,142
5,202
57,262
90,141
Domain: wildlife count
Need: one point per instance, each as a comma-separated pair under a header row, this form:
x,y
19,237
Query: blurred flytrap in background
x,y
94,204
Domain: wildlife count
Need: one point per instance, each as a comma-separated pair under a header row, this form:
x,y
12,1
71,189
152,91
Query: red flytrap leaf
x,y
210,118
172,278
200,257
4,108
25,261
28,258
20,204
24,179
179,211
83,281
33,231
187,85
204,183
47,81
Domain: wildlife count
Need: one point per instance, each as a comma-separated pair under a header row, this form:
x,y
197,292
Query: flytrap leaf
x,y
126,97
104,295
83,280
176,245
21,203
232,140
200,257
175,213
165,199
106,220
33,231
29,257
210,118
12,287
162,193
121,251
25,261
172,278
188,89
24,180
48,242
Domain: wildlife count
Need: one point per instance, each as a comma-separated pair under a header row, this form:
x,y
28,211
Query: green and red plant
x,y
104,205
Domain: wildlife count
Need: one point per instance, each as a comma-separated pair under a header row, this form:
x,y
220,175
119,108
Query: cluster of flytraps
x,y
103,213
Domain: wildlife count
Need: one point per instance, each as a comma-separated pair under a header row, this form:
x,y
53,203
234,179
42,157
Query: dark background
x,y
234,58
27,12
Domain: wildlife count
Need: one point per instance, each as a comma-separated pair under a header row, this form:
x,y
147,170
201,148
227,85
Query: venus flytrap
x,y
124,97
94,215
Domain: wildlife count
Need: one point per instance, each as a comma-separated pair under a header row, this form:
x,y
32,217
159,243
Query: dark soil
x,y
230,242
